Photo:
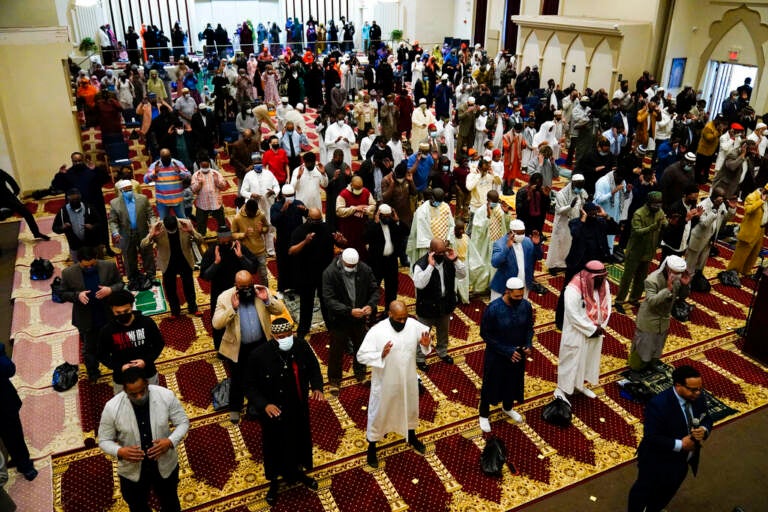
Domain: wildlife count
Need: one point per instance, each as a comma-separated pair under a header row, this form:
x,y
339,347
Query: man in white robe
x,y
488,225
421,118
569,201
433,219
587,310
389,349
339,135
260,184
307,179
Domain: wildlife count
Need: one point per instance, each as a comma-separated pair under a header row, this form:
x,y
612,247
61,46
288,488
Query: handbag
x,y
557,412
729,278
493,457
681,310
220,394
40,269
64,376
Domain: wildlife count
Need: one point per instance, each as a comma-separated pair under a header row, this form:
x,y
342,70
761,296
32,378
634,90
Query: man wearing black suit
x,y
204,130
385,237
675,428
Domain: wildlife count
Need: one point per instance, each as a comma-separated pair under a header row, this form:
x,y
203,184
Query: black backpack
x,y
64,376
40,269
493,457
56,291
557,412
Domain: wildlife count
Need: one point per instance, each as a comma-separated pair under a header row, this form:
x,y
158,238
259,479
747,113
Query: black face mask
x,y
275,146
386,220
246,295
75,205
166,161
397,326
514,302
314,222
124,318
439,258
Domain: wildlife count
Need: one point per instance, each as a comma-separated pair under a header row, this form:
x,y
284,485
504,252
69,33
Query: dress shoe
x,y
619,306
234,417
447,359
372,459
42,237
272,493
485,425
417,445
422,365
30,474
308,481
541,290
587,392
516,416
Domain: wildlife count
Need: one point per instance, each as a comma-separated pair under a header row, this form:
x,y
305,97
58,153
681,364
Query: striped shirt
x,y
208,188
168,187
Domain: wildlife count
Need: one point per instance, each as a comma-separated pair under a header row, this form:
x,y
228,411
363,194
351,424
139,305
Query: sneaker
x,y
485,425
587,392
516,416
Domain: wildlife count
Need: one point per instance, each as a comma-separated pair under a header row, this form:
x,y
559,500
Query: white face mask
x,y
180,131
350,269
285,344
519,239
340,122
205,170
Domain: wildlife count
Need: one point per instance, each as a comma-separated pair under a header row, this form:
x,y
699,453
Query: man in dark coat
x,y
675,427
11,430
386,237
286,215
283,375
350,294
507,329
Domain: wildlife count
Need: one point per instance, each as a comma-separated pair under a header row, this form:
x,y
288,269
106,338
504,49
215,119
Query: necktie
x,y
688,414
293,149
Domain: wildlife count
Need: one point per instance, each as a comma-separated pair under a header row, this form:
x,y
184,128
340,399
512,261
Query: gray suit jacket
x,y
709,223
118,428
72,283
120,223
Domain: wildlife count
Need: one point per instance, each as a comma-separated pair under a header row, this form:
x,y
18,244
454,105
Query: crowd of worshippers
x,y
435,192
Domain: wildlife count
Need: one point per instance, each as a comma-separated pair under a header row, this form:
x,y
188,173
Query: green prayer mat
x,y
152,301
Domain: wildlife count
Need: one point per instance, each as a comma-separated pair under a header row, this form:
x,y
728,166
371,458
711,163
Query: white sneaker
x,y
587,392
485,425
516,417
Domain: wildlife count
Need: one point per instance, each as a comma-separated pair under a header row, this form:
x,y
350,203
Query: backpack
x,y
40,269
64,376
557,412
493,457
220,395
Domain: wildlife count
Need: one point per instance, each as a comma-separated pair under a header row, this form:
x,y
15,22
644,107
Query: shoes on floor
x,y
30,474
485,425
234,417
271,497
516,416
447,359
537,288
619,306
416,444
371,458
422,365
587,392
198,314
333,390
308,481
42,237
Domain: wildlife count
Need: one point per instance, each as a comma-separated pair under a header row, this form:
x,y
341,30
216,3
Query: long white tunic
x,y
560,242
308,186
333,132
393,405
579,358
420,121
260,183
421,229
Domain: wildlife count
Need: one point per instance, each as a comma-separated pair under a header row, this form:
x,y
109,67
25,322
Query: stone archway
x,y
757,30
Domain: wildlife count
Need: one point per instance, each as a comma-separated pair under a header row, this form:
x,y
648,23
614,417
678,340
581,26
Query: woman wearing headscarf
x,y
587,310
663,287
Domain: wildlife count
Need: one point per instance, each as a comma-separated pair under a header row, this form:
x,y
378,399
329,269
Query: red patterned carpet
x,y
221,464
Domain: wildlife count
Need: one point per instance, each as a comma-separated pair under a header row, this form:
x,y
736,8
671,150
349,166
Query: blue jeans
x,y
163,210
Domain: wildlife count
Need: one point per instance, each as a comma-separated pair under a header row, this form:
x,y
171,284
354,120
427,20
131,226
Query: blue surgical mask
x,y
258,168
285,344
494,205
435,203
128,195
577,190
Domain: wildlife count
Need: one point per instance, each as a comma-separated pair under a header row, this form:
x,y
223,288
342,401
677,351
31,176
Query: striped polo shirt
x,y
168,187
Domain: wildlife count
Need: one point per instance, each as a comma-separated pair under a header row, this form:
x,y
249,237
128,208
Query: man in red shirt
x,y
276,160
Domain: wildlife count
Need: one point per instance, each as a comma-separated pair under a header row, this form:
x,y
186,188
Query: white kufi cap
x,y
350,256
515,283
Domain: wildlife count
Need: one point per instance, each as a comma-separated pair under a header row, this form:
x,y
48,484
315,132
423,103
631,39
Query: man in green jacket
x,y
647,224
663,288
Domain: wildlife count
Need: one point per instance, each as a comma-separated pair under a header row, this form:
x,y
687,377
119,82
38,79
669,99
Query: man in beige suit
x,y
244,313
174,238
130,216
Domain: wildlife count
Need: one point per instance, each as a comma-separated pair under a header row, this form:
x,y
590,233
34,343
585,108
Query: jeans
x,y
163,210
237,375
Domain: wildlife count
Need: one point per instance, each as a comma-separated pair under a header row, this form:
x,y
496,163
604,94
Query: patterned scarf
x,y
438,221
584,283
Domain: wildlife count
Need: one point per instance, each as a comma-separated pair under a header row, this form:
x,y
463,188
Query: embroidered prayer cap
x,y
737,127
515,283
691,157
760,125
288,190
676,263
654,196
577,177
496,152
423,101
385,209
471,100
281,325
517,225
120,185
424,146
